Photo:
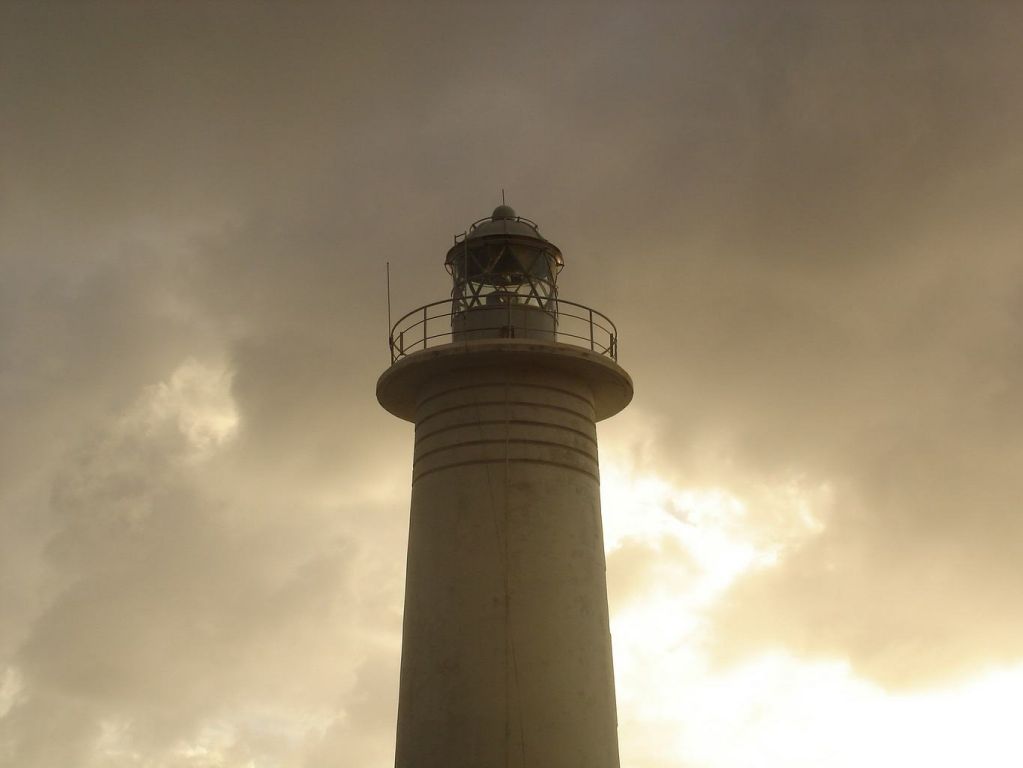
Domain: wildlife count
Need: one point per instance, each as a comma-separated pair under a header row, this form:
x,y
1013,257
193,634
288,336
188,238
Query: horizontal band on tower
x,y
507,422
525,403
506,441
416,477
506,385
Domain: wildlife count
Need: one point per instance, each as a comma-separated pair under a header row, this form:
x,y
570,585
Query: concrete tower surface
x,y
506,649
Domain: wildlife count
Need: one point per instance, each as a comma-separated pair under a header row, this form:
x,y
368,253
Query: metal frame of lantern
x,y
489,270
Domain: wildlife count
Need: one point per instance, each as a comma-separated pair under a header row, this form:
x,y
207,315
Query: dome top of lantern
x,y
504,222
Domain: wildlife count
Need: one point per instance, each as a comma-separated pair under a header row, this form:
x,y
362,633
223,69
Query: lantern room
x,y
504,275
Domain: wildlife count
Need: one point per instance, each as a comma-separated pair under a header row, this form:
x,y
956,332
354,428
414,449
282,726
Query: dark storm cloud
x,y
802,216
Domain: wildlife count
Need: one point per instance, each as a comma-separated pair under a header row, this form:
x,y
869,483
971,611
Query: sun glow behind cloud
x,y
680,706
197,398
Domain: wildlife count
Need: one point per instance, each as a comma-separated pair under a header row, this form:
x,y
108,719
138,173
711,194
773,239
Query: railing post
x,y
425,335
591,329
401,343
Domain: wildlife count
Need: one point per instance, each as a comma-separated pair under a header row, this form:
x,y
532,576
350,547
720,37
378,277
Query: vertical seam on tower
x,y
511,672
510,636
508,648
502,549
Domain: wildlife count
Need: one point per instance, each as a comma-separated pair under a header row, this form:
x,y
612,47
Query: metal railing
x,y
431,325
487,219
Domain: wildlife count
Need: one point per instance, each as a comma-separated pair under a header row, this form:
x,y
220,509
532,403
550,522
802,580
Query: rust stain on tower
x,y
506,648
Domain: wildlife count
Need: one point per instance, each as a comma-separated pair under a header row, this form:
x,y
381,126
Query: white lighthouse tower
x,y
506,651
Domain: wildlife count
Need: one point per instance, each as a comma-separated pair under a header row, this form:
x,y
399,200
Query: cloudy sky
x,y
805,219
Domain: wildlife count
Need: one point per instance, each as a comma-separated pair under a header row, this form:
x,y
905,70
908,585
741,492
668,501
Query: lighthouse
x,y
506,648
